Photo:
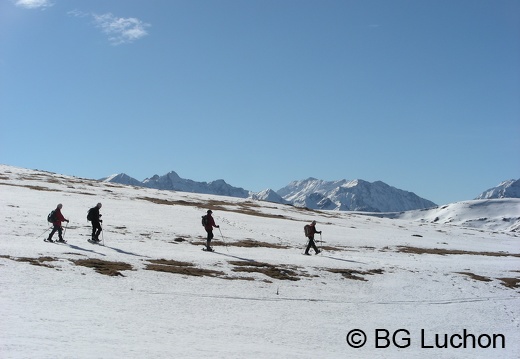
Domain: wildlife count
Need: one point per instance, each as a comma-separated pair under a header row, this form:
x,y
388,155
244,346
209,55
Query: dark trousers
x,y
54,230
96,230
311,244
209,238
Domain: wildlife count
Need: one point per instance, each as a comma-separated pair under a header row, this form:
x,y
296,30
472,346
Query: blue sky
x,y
422,95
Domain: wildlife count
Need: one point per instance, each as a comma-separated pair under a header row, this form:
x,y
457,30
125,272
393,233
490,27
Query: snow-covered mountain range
x,y
506,189
357,195
343,195
173,182
312,193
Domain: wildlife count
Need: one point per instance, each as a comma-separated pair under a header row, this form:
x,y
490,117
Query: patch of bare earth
x,y
475,276
178,267
331,248
270,270
355,274
168,202
246,243
36,188
104,267
512,282
443,252
247,208
251,243
41,261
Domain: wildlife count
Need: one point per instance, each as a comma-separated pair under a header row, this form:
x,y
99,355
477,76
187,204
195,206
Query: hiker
x,y
310,230
58,218
208,226
94,216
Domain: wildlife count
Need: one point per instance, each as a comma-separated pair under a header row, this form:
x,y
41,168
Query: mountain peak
x,y
122,178
506,189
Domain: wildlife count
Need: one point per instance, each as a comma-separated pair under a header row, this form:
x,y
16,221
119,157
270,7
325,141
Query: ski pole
x,y
321,243
306,245
44,232
223,239
65,230
102,236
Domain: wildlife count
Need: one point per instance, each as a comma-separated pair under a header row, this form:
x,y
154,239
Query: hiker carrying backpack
x,y
55,217
94,217
208,222
310,230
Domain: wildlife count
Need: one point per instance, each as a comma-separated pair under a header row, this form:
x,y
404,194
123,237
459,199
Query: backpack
x,y
307,230
51,218
205,220
90,215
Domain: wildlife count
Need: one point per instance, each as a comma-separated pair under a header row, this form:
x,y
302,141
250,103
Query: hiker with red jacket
x,y
58,218
209,223
310,230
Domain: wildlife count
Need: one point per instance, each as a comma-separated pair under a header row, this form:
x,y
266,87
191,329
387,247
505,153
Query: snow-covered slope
x,y
506,189
489,215
356,195
150,292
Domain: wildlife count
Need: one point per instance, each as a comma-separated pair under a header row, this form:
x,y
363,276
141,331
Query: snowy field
x,y
415,286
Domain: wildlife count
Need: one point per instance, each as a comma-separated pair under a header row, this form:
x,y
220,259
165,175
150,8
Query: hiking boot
x,y
306,254
48,240
61,240
318,251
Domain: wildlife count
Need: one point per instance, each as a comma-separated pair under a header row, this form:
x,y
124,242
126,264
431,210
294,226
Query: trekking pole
x,y
223,239
102,236
306,245
321,244
65,230
44,232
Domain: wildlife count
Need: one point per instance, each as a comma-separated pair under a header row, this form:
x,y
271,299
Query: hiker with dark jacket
x,y
95,217
210,223
310,230
58,218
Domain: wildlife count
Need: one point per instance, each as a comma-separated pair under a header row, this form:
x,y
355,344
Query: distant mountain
x,y
356,195
506,189
343,195
268,195
172,181
122,178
